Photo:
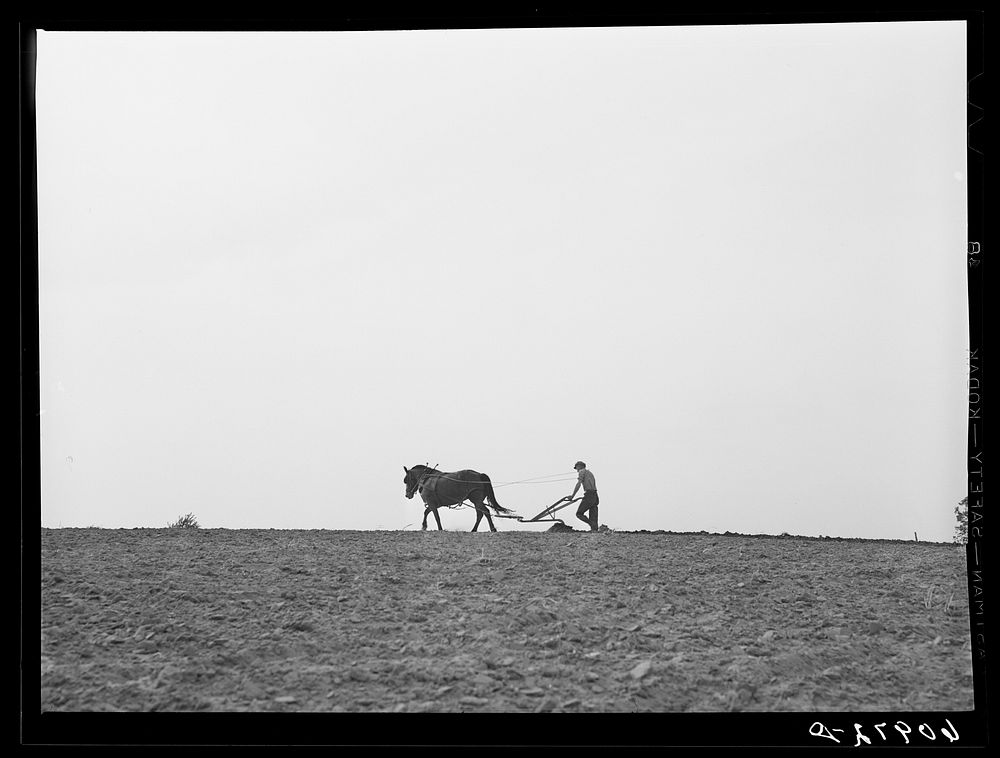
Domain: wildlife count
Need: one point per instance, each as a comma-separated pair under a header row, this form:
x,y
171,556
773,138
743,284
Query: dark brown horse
x,y
445,489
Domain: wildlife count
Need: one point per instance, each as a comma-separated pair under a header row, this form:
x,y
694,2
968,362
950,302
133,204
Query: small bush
x,y
185,522
961,536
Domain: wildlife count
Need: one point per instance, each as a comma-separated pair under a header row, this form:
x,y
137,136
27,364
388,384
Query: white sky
x,y
725,266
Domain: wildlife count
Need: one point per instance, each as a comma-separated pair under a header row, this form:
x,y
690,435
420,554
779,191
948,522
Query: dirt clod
x,y
641,670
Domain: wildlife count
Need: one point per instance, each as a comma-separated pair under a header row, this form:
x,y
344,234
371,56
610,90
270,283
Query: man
x,y
590,500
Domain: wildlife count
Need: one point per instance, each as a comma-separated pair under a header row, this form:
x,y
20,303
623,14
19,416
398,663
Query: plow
x,y
545,515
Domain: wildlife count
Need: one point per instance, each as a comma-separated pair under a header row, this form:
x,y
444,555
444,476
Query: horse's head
x,y
411,480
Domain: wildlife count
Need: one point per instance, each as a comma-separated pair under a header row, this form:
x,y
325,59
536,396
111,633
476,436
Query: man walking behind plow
x,y
590,500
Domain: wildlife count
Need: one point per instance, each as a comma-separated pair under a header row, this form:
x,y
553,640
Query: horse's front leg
x,y
436,517
426,511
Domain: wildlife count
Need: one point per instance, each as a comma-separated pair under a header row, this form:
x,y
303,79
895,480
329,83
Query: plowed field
x,y
260,620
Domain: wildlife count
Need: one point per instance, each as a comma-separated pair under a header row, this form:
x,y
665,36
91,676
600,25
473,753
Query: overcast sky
x,y
725,266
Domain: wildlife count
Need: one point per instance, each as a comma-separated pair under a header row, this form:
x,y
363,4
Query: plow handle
x,y
558,505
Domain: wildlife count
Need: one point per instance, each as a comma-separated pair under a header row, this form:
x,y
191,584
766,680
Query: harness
x,y
435,474
422,482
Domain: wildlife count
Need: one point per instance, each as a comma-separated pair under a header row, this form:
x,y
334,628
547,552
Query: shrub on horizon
x,y
962,527
185,522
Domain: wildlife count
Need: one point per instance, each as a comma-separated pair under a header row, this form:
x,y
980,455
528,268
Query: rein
x,y
429,472
534,480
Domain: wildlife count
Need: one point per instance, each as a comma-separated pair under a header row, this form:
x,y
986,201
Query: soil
x,y
188,619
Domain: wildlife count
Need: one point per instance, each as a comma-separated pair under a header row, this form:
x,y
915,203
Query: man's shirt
x,y
587,480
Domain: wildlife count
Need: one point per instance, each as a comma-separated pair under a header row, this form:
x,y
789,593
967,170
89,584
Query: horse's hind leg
x,y
482,510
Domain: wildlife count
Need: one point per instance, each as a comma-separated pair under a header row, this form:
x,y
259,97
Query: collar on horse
x,y
428,473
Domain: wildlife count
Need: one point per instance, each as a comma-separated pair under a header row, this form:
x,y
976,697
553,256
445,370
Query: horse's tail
x,y
492,496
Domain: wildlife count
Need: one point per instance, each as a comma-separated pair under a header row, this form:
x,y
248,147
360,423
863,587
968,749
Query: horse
x,y
438,488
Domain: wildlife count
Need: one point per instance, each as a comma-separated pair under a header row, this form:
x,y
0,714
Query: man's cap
x,y
579,464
